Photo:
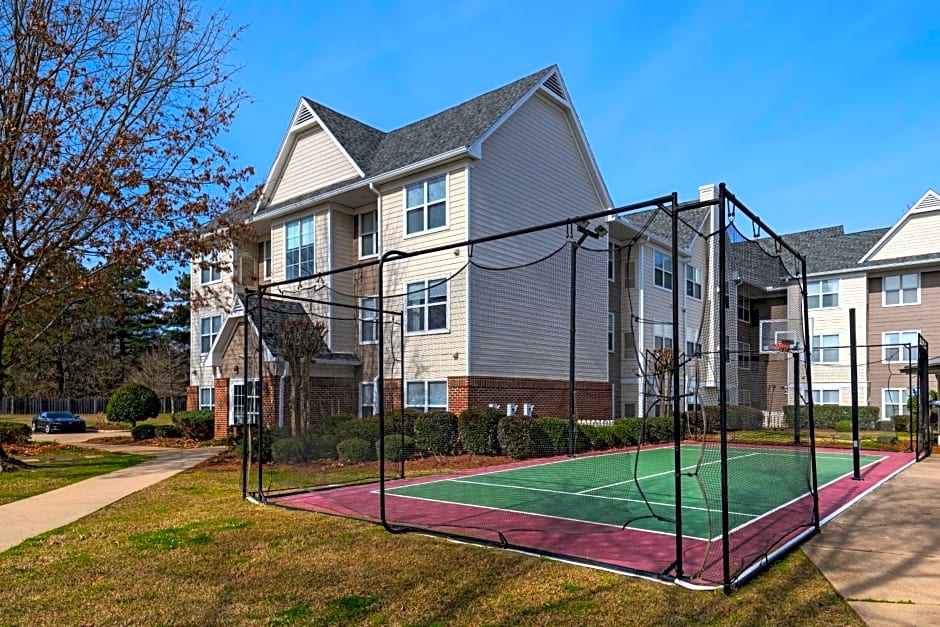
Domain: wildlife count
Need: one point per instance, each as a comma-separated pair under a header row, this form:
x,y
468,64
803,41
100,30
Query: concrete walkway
x,y
883,553
26,518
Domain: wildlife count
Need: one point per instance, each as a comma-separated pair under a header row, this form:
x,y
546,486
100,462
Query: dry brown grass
x,y
190,551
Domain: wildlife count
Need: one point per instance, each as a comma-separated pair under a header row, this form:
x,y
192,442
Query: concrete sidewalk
x,y
883,553
26,518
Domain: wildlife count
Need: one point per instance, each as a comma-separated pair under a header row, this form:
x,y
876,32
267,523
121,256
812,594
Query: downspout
x,y
280,399
379,227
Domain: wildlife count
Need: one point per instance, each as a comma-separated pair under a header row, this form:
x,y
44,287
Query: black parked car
x,y
50,421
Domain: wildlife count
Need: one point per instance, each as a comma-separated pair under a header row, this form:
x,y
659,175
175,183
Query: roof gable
x,y
914,234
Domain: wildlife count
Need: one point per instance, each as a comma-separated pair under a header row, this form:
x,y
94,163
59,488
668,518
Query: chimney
x,y
708,192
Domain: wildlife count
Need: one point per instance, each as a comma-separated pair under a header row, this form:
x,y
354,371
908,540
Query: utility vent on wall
x,y
303,115
554,85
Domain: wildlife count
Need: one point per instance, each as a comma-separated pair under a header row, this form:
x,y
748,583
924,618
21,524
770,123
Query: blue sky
x,y
814,114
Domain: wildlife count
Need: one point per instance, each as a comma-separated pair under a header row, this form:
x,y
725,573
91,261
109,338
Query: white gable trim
x,y
914,210
290,138
226,334
476,149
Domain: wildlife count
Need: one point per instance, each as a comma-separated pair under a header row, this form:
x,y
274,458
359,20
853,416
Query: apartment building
x,y
341,192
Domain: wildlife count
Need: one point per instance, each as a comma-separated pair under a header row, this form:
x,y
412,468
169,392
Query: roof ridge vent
x,y
553,84
303,115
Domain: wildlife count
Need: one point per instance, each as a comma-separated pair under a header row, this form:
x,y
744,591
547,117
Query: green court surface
x,y
638,489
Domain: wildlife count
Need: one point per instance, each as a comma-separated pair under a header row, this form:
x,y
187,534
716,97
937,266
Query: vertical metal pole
x,y
676,405
853,374
244,369
260,396
796,398
401,347
814,478
572,327
380,387
723,387
910,388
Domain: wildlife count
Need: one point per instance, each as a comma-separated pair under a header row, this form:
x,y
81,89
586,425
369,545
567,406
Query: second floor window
x,y
298,259
264,253
662,335
368,234
209,271
208,330
368,331
901,289
693,282
662,270
611,330
426,205
897,346
826,349
822,294
426,306
744,356
611,262
744,308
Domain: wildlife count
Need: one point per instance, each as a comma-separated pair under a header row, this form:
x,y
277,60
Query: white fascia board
x,y
379,178
884,266
915,209
278,165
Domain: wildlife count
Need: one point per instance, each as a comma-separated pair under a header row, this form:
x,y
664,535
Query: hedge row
x,y
826,416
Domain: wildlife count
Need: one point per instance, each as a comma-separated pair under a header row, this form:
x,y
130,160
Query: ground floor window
x,y
825,397
206,398
426,395
245,406
894,402
366,400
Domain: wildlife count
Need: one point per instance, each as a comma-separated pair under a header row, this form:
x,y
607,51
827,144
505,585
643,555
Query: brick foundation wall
x,y
269,392
550,397
192,398
328,396
221,408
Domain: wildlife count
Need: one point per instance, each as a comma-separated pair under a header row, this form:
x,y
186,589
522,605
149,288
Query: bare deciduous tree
x,y
163,369
302,340
110,112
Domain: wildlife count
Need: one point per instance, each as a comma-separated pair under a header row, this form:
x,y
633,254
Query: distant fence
x,y
94,405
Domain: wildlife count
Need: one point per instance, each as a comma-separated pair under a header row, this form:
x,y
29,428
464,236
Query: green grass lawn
x,y
96,421
59,467
190,551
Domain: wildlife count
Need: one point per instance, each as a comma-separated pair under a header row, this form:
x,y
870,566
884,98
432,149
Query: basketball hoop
x,y
783,345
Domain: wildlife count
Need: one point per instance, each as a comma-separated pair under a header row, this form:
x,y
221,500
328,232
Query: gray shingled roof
x,y
274,312
661,225
377,152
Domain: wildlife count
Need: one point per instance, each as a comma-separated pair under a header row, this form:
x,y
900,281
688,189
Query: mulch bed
x,y
31,449
126,440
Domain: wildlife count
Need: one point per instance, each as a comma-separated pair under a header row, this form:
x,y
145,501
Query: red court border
x,y
645,552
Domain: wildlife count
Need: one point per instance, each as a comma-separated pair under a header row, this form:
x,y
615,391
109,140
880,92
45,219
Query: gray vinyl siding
x,y
314,162
532,171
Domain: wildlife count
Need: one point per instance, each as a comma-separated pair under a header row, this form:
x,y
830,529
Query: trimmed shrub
x,y
195,425
477,428
590,434
842,426
355,451
606,437
360,429
902,424
397,447
516,436
436,432
289,451
266,442
132,402
556,430
143,432
332,423
394,422
167,431
322,447
659,429
628,430
740,418
14,433
827,415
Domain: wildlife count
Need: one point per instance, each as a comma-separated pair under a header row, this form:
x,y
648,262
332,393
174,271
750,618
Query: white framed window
x,y
264,254
693,282
894,402
426,205
611,331
826,349
744,308
299,249
895,346
744,397
209,271
208,330
426,306
368,234
611,262
662,335
901,289
366,399
662,270
368,327
744,356
206,398
245,406
426,395
825,397
822,294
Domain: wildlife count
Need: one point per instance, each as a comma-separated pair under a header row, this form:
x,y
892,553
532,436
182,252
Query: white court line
x,y
660,474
